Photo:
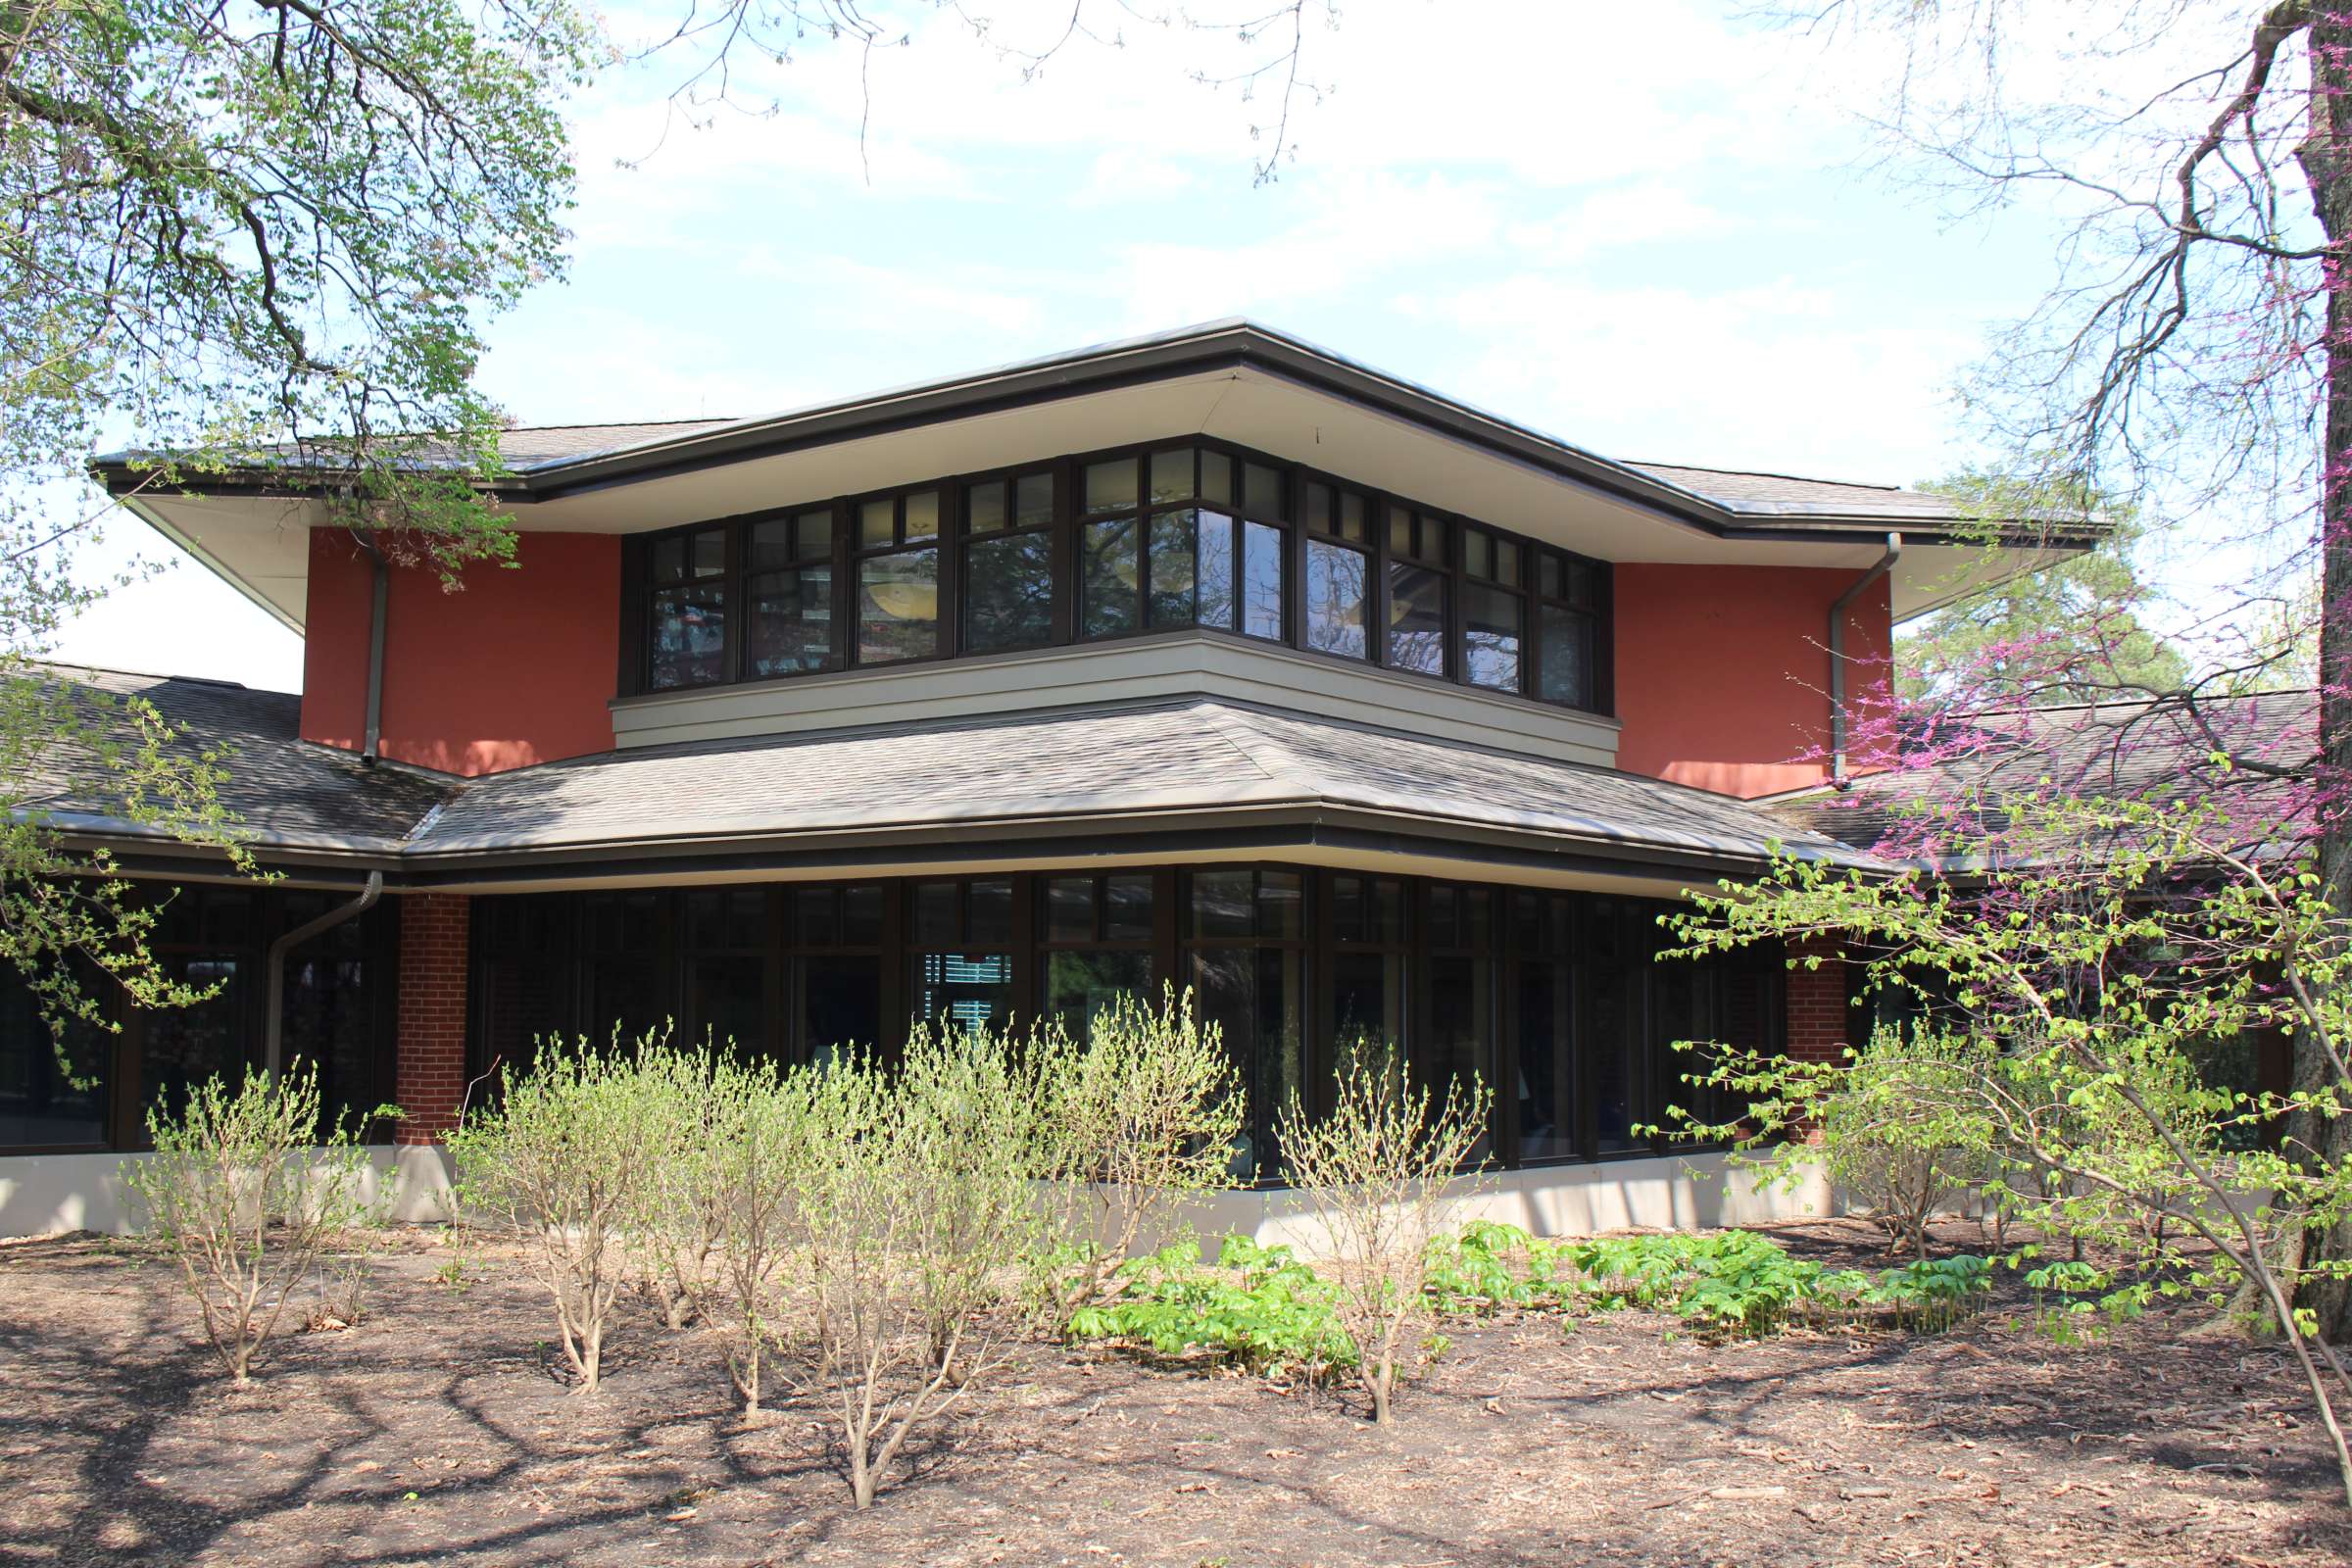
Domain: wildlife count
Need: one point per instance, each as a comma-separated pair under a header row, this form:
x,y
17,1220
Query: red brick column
x,y
430,1075
1817,1010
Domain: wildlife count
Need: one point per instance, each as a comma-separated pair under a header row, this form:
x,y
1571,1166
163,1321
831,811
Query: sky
x,y
1657,231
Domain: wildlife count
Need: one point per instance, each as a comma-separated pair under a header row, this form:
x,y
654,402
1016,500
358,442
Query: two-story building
x,y
1210,658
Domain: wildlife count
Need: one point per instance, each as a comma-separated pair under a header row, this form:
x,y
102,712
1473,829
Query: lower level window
x,y
48,1097
967,990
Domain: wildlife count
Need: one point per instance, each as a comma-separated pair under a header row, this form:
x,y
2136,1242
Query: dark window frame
x,y
1444,552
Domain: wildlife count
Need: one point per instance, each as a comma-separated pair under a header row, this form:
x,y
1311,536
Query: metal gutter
x,y
1837,721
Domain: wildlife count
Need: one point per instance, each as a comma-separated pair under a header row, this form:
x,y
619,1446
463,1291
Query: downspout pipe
x,y
273,1029
1838,723
379,605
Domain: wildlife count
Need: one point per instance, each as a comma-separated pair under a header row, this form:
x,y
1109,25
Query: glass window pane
x,y
1261,580
984,506
1081,985
862,914
841,1004
816,918
1494,625
1477,921
1416,618
791,622
1256,999
1172,476
1281,905
1172,600
727,1003
687,641
709,552
1444,918
670,560
1070,908
877,523
1347,908
1108,573
1478,553
1262,491
1127,910
1222,904
1461,1029
1008,592
937,919
43,1101
962,989
898,607
1506,563
1110,486
1314,507
1548,575
1216,570
923,515
1564,672
1033,500
1547,1103
1367,1004
816,530
1583,585
1355,526
1216,478
989,917
185,1046
1338,600
770,543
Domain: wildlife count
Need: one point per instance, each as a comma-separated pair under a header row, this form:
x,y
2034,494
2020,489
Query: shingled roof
x,y
1086,773
1983,765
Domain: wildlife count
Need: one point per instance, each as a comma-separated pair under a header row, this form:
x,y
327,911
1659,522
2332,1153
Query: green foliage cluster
x,y
1259,1308
246,1188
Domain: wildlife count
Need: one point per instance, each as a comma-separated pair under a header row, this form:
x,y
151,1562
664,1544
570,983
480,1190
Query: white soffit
x,y
260,542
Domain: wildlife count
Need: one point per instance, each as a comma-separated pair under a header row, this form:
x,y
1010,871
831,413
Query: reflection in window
x,y
1493,622
1338,600
185,1046
898,607
1547,1064
1416,618
687,638
1261,580
1110,577
841,1003
1008,592
1082,985
962,989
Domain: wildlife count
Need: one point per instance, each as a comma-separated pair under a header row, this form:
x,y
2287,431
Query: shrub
x,y
1487,1266
559,1162
1899,1132
674,1229
918,1198
1139,1117
243,1192
1376,1171
760,1145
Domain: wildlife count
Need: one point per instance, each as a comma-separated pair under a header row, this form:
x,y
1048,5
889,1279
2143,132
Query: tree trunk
x,y
2326,157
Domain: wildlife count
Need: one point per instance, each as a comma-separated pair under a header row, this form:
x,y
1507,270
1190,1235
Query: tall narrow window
x,y
1416,590
960,968
1008,564
1493,611
898,581
789,589
1568,593
1339,573
836,936
1246,941
1264,551
1110,550
686,635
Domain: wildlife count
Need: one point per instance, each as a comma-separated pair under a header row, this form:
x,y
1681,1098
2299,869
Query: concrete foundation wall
x,y
44,1194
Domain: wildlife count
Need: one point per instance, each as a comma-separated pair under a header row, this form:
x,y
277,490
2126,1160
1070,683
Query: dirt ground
x,y
440,1429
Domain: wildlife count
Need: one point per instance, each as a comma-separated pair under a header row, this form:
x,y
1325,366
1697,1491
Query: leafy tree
x,y
2192,356
2085,987
2071,632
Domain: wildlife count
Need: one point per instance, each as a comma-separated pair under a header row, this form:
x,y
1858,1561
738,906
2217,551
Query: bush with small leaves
x,y
1376,1171
243,1192
1139,1116
559,1162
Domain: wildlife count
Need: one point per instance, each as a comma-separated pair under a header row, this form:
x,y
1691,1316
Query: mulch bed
x,y
441,1427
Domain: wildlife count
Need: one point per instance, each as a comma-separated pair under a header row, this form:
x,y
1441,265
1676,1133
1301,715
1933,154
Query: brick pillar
x,y
1816,1000
430,1076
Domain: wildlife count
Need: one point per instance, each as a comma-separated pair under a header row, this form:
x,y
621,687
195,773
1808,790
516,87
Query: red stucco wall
x,y
1722,672
514,669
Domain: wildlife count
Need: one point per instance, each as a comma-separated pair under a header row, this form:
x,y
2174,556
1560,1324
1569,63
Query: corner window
x,y
1339,572
1568,626
1493,611
1157,549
